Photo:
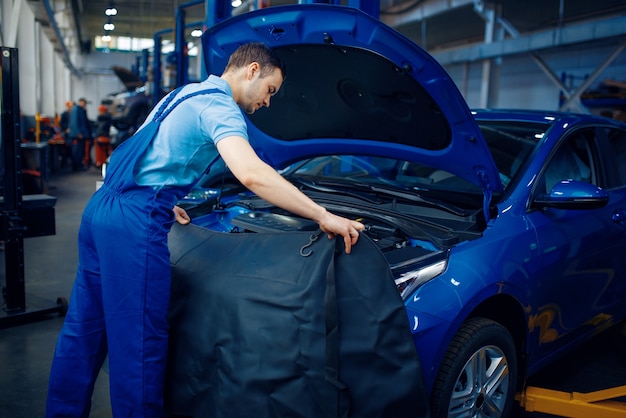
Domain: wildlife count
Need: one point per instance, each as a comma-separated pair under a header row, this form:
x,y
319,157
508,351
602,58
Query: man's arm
x,y
263,180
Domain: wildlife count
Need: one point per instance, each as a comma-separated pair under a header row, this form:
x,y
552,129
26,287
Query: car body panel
x,y
455,295
576,284
581,287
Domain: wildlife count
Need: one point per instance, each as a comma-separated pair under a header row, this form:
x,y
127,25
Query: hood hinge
x,y
487,192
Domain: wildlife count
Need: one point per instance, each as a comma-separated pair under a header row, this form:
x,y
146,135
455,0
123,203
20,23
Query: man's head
x,y
256,52
254,73
82,102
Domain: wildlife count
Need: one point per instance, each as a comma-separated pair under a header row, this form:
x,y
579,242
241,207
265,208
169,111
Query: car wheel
x,y
478,373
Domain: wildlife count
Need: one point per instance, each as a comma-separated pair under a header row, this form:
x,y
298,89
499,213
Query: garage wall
x,y
42,74
46,82
523,84
16,36
48,76
97,79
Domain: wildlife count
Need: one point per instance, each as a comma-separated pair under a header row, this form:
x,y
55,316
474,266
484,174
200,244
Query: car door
x,y
571,294
612,141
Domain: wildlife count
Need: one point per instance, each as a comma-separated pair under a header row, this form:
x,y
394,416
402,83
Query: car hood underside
x,y
354,86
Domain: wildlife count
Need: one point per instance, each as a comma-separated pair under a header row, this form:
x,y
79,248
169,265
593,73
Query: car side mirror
x,y
573,194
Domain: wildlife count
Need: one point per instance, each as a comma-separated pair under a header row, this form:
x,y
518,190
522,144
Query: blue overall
x,y
120,298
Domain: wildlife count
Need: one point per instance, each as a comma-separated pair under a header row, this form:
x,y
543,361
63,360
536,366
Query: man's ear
x,y
253,68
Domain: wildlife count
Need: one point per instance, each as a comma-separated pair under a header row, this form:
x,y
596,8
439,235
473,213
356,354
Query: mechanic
x,y
65,155
120,299
80,134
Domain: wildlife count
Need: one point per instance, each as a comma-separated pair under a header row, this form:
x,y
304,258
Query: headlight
x,y
408,281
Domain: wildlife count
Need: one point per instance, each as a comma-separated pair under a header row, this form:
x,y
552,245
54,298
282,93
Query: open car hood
x,y
130,80
354,86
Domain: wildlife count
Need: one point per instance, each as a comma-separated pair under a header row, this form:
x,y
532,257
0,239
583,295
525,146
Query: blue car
x,y
504,232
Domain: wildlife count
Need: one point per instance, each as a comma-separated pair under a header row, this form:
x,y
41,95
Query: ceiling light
x,y
106,38
111,10
109,25
196,33
236,3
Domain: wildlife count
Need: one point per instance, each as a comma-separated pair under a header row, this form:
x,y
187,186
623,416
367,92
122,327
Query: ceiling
x,y
462,24
136,18
434,24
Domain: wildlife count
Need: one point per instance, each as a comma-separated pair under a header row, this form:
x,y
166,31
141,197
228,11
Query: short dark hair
x,y
256,52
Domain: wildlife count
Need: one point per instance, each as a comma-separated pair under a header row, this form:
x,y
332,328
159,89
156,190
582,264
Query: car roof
x,y
548,117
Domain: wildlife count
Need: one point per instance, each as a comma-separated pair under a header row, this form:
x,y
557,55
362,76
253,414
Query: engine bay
x,y
254,215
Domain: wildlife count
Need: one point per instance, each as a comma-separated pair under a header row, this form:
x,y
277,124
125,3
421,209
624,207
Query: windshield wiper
x,y
339,188
327,189
412,197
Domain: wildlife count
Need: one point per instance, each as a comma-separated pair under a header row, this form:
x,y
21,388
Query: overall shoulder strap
x,y
164,110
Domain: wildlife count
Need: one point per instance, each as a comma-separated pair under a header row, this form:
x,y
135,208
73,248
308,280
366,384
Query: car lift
x,y
30,216
574,404
605,403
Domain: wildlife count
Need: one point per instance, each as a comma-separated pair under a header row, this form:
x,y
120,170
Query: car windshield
x,y
386,179
510,144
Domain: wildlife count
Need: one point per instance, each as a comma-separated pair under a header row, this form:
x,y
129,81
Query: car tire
x,y
478,373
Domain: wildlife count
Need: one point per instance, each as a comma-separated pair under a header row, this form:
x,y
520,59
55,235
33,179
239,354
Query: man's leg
x,y
81,346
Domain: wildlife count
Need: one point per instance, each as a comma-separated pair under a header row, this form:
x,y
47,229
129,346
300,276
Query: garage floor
x,y
50,264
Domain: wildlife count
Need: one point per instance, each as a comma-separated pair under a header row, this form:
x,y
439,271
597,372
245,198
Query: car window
x,y
572,160
617,141
510,144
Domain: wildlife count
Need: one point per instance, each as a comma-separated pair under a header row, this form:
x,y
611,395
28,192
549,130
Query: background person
x,y
103,138
64,121
80,133
65,156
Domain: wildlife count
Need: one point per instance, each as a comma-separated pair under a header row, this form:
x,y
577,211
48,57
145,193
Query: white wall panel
x,y
47,75
27,45
524,85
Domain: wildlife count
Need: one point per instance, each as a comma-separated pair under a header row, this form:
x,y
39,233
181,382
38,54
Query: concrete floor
x,y
50,264
49,268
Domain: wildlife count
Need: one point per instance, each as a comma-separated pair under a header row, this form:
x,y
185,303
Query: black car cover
x,y
287,325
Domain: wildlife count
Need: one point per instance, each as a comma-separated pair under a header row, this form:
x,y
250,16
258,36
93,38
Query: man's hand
x,y
181,216
336,225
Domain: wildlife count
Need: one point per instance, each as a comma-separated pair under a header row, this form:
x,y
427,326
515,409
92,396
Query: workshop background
x,y
534,54
504,53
